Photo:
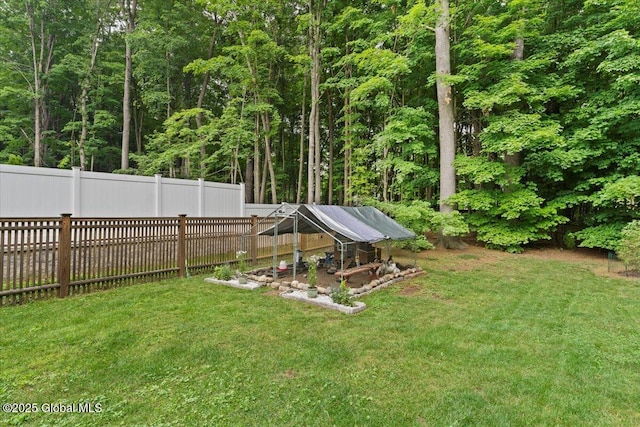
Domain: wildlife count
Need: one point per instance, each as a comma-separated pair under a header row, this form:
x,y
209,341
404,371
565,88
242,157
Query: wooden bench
x,y
346,274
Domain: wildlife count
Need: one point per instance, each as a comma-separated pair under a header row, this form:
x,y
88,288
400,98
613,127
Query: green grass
x,y
515,342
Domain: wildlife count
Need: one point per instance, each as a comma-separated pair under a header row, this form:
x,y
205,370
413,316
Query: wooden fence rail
x,y
48,257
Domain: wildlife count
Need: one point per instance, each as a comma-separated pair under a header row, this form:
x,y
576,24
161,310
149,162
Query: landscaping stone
x,y
324,301
234,283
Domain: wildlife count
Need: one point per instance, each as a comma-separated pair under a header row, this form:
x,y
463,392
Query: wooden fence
x,y
48,257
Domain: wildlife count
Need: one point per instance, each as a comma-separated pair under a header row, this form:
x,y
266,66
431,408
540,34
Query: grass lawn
x,y
483,339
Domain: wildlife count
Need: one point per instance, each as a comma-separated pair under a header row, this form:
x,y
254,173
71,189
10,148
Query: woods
x,y
345,102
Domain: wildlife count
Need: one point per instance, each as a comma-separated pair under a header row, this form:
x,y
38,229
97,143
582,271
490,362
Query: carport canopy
x,y
357,224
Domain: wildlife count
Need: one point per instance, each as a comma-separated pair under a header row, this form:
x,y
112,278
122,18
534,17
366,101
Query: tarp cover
x,y
358,224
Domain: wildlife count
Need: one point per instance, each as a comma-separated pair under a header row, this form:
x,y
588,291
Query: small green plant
x,y
313,270
242,261
342,296
629,247
570,241
223,272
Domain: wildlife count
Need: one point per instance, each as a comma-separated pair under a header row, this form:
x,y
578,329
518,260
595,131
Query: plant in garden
x,y
612,208
242,261
342,296
629,247
223,272
313,270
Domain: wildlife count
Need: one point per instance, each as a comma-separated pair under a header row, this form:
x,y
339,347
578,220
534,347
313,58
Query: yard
x,y
483,338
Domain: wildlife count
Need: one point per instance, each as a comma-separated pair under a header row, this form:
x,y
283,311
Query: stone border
x,y
374,285
324,301
234,283
298,291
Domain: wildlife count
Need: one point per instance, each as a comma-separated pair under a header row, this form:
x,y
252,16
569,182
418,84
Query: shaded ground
x,y
326,279
476,256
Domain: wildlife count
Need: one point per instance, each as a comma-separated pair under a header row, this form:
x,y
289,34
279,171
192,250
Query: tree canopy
x,y
544,98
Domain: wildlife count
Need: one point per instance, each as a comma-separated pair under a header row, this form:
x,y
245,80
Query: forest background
x,y
336,102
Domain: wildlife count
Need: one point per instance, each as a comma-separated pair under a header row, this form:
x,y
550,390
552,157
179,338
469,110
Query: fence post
x,y
158,194
64,255
76,204
182,247
254,239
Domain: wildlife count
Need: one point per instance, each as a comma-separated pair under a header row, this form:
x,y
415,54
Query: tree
x,y
445,107
129,9
313,164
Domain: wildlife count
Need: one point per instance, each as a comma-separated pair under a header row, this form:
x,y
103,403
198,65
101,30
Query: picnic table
x,y
346,274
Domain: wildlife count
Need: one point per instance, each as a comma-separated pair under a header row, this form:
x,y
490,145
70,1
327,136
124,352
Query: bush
x,y
419,217
223,272
629,247
342,296
604,236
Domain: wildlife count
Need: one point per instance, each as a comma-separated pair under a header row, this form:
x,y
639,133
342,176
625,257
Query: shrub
x,y
223,272
342,296
313,270
629,247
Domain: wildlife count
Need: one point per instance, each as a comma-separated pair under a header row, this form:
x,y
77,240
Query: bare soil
x,y
477,256
473,256
326,279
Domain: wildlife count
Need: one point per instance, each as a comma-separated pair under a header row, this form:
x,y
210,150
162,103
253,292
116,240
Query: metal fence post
x,y
182,247
64,255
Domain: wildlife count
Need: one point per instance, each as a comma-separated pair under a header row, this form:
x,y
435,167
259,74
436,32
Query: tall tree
x,y
41,17
102,14
129,9
314,158
446,109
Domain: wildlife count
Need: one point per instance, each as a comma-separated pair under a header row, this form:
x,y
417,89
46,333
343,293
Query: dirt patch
x,y
325,279
410,290
290,373
633,273
476,256
273,292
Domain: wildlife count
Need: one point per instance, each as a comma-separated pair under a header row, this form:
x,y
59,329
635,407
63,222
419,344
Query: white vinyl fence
x,y
263,210
42,192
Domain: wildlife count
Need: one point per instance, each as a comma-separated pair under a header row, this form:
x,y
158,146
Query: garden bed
x,y
360,284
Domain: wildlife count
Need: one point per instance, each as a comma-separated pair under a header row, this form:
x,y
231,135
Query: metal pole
x,y
295,244
275,245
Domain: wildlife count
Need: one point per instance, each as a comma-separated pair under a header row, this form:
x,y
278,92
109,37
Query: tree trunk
x,y
446,120
302,128
42,54
84,97
249,182
348,141
331,153
515,159
129,8
256,166
313,172
266,125
445,108
201,95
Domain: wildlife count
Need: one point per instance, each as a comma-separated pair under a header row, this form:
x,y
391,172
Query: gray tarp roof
x,y
359,224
